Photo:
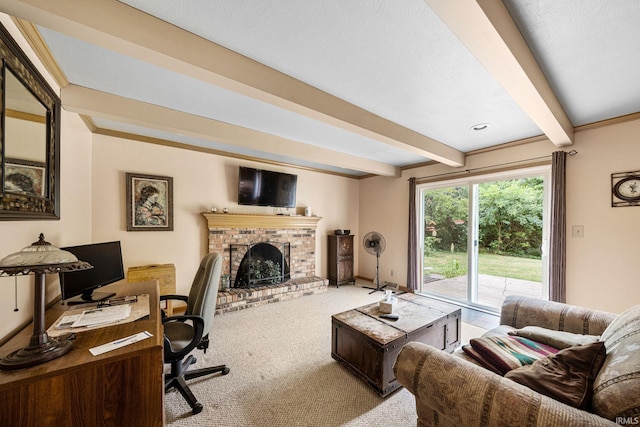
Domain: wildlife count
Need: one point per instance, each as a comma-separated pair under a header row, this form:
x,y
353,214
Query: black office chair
x,y
184,333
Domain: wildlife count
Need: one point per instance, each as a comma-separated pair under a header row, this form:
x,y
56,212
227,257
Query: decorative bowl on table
x,y
341,232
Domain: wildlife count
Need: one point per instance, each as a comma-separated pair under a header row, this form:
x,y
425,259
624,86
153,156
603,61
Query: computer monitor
x,y
106,259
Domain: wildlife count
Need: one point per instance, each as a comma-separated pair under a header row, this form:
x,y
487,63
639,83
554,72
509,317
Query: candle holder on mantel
x,y
40,258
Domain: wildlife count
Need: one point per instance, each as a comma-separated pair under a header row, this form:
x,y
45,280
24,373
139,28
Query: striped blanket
x,y
503,353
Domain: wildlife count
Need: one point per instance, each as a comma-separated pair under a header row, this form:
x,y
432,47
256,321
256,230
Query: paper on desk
x,y
64,324
67,321
98,316
96,351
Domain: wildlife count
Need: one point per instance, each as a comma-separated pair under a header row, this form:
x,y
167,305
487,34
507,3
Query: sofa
x,y
456,390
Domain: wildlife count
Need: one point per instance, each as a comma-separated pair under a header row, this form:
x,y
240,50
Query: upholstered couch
x,y
454,390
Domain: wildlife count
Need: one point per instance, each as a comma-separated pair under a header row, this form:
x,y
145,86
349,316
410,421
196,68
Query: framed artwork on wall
x,y
25,177
625,189
149,202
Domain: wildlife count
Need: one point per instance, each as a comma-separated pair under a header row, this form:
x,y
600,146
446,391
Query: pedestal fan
x,y
374,244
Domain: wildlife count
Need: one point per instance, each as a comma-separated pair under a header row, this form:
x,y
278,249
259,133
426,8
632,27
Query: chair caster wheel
x,y
225,371
197,408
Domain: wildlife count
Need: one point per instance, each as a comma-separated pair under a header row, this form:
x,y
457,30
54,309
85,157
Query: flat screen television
x,y
106,259
266,188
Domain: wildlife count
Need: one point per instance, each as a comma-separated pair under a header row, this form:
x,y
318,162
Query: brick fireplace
x,y
299,232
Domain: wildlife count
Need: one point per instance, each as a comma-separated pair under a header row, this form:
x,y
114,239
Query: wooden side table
x,y
340,260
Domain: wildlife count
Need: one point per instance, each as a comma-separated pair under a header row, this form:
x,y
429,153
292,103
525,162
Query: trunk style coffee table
x,y
369,345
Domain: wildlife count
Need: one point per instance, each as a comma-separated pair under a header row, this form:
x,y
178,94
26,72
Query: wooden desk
x,y
124,387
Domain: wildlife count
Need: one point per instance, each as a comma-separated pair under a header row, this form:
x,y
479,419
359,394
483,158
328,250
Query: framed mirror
x,y
29,138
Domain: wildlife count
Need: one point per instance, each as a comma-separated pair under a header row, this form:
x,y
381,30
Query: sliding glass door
x,y
484,238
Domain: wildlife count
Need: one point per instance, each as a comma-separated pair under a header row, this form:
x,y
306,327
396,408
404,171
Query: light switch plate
x,y
577,231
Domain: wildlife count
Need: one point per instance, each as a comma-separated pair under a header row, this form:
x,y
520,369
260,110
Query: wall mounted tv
x,y
266,188
106,259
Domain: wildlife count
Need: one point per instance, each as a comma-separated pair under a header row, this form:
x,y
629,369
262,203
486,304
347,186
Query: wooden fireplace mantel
x,y
229,220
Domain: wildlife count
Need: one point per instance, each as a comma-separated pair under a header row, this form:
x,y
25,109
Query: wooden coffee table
x,y
369,345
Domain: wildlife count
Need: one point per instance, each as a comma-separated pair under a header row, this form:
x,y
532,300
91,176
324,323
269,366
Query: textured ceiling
x,y
357,87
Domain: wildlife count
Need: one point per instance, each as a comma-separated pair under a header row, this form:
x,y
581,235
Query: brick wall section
x,y
302,266
302,241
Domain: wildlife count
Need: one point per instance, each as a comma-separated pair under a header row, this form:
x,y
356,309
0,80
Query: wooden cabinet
x,y
340,260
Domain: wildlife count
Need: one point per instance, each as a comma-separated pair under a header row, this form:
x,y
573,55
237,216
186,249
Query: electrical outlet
x,y
577,231
391,272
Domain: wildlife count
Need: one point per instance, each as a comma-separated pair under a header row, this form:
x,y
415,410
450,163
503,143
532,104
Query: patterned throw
x,y
505,352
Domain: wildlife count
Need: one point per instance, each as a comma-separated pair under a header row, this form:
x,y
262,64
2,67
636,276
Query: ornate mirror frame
x,y
39,197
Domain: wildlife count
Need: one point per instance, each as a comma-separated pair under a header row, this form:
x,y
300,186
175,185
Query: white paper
x,y
96,351
67,321
64,324
97,316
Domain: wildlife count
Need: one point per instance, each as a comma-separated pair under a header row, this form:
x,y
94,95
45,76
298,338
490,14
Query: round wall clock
x,y
625,189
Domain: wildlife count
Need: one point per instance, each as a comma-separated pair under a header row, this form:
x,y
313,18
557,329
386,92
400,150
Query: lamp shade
x,y
38,254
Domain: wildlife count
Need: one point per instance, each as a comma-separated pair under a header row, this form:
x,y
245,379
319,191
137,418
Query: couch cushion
x,y
556,339
616,388
566,376
504,353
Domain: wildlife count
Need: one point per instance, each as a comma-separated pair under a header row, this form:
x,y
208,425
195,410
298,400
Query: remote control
x,y
390,316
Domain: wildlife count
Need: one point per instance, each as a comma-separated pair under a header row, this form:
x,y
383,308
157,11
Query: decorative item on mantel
x,y
40,258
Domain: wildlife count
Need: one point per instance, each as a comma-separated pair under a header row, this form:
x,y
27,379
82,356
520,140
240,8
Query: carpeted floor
x,y
282,373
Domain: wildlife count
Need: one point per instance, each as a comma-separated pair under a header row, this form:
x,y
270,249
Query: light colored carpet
x,y
282,373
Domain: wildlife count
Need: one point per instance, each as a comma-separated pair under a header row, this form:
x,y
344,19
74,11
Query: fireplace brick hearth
x,y
239,299
224,230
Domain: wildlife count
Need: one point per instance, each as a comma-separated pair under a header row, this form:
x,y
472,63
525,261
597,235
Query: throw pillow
x,y
566,376
615,391
556,339
502,353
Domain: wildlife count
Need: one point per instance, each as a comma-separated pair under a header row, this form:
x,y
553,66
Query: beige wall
x,y
200,181
93,209
600,266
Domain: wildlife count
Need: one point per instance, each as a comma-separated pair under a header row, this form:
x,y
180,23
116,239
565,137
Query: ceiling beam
x,y
121,28
82,100
486,28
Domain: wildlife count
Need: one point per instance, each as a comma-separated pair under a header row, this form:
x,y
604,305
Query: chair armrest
x,y
519,312
197,323
450,391
183,298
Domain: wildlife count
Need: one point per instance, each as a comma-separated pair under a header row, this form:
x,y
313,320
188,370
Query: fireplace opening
x,y
259,264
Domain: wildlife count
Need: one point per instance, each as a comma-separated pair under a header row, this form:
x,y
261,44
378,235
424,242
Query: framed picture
x,y
625,189
149,202
25,177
